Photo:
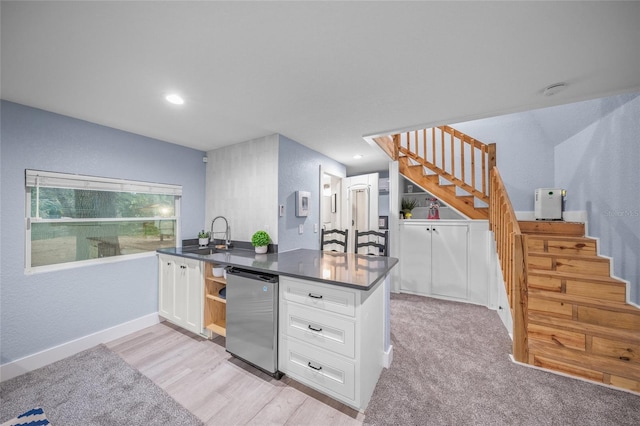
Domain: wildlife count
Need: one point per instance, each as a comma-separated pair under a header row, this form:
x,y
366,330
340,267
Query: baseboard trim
x,y
388,357
559,373
32,362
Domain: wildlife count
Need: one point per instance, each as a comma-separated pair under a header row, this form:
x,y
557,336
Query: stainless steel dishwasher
x,y
252,318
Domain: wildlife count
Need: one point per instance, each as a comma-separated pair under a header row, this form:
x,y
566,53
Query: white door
x,y
180,294
415,259
165,290
360,205
194,300
449,260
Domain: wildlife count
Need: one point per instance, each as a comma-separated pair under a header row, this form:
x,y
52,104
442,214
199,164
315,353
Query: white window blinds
x,y
42,179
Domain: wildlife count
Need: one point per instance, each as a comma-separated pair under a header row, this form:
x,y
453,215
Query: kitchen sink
x,y
202,251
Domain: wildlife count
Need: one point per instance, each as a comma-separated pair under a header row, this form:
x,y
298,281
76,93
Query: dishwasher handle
x,y
254,275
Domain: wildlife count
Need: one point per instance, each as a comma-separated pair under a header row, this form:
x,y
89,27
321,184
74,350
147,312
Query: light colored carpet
x,y
93,387
451,366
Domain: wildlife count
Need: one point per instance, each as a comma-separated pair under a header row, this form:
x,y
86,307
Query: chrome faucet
x,y
227,233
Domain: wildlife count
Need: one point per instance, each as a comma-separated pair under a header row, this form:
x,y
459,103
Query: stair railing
x,y
510,245
455,156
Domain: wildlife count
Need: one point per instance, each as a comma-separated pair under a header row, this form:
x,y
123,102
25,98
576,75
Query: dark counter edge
x,y
205,258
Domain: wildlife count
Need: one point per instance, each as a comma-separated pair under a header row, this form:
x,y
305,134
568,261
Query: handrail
x,y
457,157
511,247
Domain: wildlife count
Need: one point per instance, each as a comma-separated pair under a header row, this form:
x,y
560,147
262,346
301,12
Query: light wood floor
x,y
221,390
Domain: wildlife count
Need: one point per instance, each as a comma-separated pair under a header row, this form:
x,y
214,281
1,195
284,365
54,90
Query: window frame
x,y
36,178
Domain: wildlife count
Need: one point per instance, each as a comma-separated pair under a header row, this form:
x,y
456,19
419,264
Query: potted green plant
x,y
203,238
407,205
260,240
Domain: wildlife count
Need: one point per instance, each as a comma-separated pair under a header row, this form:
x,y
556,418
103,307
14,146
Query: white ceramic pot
x,y
261,249
203,241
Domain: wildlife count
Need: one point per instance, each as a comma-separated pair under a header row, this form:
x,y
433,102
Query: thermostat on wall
x,y
302,203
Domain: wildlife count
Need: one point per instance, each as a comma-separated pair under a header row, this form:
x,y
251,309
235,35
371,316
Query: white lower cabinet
x,y
445,258
433,259
331,338
181,289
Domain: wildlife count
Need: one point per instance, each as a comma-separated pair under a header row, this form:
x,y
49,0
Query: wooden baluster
x,y
473,168
396,146
424,143
452,158
433,146
442,164
484,169
462,149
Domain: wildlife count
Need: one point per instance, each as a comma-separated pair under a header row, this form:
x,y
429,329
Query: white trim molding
x,y
32,362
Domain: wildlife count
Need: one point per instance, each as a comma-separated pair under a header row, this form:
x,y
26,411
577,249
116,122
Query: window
x,y
73,219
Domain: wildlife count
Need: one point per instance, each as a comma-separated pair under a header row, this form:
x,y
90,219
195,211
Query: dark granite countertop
x,y
344,269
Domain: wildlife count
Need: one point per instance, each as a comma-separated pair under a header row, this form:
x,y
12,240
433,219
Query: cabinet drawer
x,y
328,331
336,299
316,368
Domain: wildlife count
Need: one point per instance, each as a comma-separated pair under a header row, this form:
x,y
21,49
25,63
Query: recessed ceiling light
x,y
174,99
357,156
554,88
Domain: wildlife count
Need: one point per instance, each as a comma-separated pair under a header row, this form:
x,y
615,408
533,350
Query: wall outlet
x,y
300,229
315,228
281,210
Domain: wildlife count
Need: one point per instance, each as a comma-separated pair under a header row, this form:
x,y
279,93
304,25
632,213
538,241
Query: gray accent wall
x,y
591,149
299,170
43,310
599,165
524,153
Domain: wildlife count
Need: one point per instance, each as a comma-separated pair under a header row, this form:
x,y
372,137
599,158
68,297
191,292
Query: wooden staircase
x,y
578,321
450,165
569,315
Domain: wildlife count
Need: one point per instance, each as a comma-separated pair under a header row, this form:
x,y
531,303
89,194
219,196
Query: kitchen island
x,y
343,269
333,320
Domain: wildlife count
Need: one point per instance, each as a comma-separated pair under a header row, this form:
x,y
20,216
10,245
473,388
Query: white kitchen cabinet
x,y
445,259
331,338
433,258
181,289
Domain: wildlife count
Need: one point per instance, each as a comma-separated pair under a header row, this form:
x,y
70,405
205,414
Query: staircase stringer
x,y
447,176
461,203
579,323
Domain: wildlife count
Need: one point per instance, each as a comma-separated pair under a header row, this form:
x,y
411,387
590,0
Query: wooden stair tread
x,y
583,327
592,257
575,229
585,301
556,237
608,280
587,360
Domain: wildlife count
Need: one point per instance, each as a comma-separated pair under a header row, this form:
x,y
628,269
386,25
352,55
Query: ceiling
x,y
324,74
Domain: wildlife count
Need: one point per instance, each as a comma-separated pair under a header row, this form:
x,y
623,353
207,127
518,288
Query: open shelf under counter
x,y
219,327
215,307
216,298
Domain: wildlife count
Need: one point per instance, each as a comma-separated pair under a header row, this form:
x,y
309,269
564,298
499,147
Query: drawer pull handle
x,y
314,329
315,368
315,296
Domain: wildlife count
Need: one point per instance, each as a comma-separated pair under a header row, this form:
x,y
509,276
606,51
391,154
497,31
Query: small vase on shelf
x,y
203,238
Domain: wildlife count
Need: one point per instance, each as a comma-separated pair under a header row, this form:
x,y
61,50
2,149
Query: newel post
x,y
520,300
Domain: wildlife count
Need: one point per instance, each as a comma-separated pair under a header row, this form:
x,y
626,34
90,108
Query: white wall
x,y
242,186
